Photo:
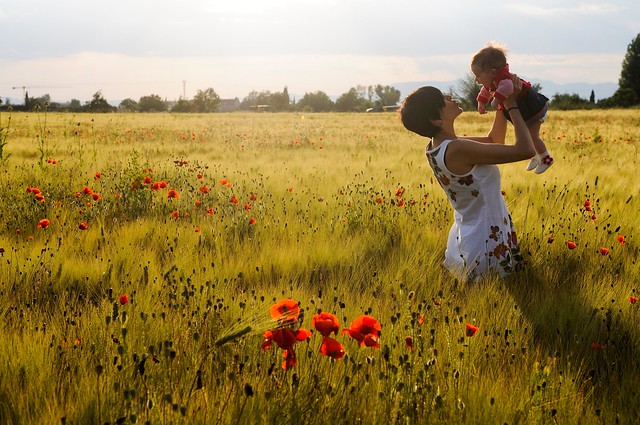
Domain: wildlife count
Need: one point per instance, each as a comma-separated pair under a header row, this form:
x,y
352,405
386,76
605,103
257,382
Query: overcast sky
x,y
133,48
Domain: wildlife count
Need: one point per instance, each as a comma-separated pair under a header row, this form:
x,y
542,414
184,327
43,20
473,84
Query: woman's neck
x,y
444,134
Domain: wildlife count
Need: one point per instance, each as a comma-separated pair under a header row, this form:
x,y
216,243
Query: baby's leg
x,y
538,143
543,159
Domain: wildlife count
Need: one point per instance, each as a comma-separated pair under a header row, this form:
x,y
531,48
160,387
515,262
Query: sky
x,y
70,49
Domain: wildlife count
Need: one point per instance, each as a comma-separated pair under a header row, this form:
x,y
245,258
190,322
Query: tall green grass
x,y
556,343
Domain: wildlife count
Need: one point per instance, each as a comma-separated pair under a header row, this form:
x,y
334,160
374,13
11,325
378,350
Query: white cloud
x,y
556,10
568,68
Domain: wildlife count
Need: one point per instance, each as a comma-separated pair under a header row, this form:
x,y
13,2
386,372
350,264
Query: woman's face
x,y
451,108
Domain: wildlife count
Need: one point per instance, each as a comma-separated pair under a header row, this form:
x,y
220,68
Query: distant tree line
x,y
356,99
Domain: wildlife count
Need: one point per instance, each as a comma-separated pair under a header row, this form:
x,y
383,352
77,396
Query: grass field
x,y
141,256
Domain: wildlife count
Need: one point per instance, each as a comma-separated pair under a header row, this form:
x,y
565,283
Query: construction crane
x,y
25,88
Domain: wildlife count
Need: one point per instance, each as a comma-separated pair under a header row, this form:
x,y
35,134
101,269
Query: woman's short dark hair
x,y
419,108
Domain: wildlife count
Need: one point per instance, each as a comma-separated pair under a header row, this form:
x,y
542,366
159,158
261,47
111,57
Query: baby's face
x,y
484,77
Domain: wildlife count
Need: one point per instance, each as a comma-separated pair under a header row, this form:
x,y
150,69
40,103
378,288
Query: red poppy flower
x,y
409,341
155,186
252,220
173,194
325,323
205,189
234,200
210,211
366,330
285,338
247,206
163,184
621,240
399,191
43,224
332,348
401,203
147,180
470,329
253,196
96,196
83,226
97,175
286,310
124,298
40,197
596,346
604,251
571,245
197,229
633,299
175,214
378,200
87,190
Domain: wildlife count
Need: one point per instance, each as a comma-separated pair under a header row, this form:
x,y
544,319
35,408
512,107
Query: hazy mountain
x,y
549,88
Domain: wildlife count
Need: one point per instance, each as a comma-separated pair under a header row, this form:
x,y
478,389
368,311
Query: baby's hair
x,y
493,56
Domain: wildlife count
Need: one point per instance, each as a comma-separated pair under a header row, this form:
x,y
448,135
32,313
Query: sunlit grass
x,y
338,212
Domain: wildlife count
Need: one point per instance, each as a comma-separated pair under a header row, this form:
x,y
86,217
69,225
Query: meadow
x,y
163,268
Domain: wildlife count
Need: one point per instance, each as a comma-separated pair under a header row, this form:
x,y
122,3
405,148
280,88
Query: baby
x,y
491,69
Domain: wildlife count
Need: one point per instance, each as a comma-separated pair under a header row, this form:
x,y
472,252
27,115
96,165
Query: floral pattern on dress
x,y
506,252
471,251
466,180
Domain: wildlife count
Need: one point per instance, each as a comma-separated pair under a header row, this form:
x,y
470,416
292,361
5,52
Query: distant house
x,y
228,105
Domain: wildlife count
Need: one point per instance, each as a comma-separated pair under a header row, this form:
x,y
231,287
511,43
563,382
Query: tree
x,y
592,97
353,101
387,95
623,98
182,105
99,103
569,101
630,73
253,99
75,105
315,102
152,103
128,105
466,92
280,101
206,101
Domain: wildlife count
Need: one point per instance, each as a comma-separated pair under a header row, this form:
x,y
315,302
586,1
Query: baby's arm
x,y
483,98
504,90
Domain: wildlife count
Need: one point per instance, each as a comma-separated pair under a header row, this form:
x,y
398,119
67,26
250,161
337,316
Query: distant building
x,y
228,105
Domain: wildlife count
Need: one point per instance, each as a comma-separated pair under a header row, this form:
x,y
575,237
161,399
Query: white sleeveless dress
x,y
482,239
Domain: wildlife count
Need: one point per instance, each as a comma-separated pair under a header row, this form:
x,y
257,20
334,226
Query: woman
x,y
482,239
